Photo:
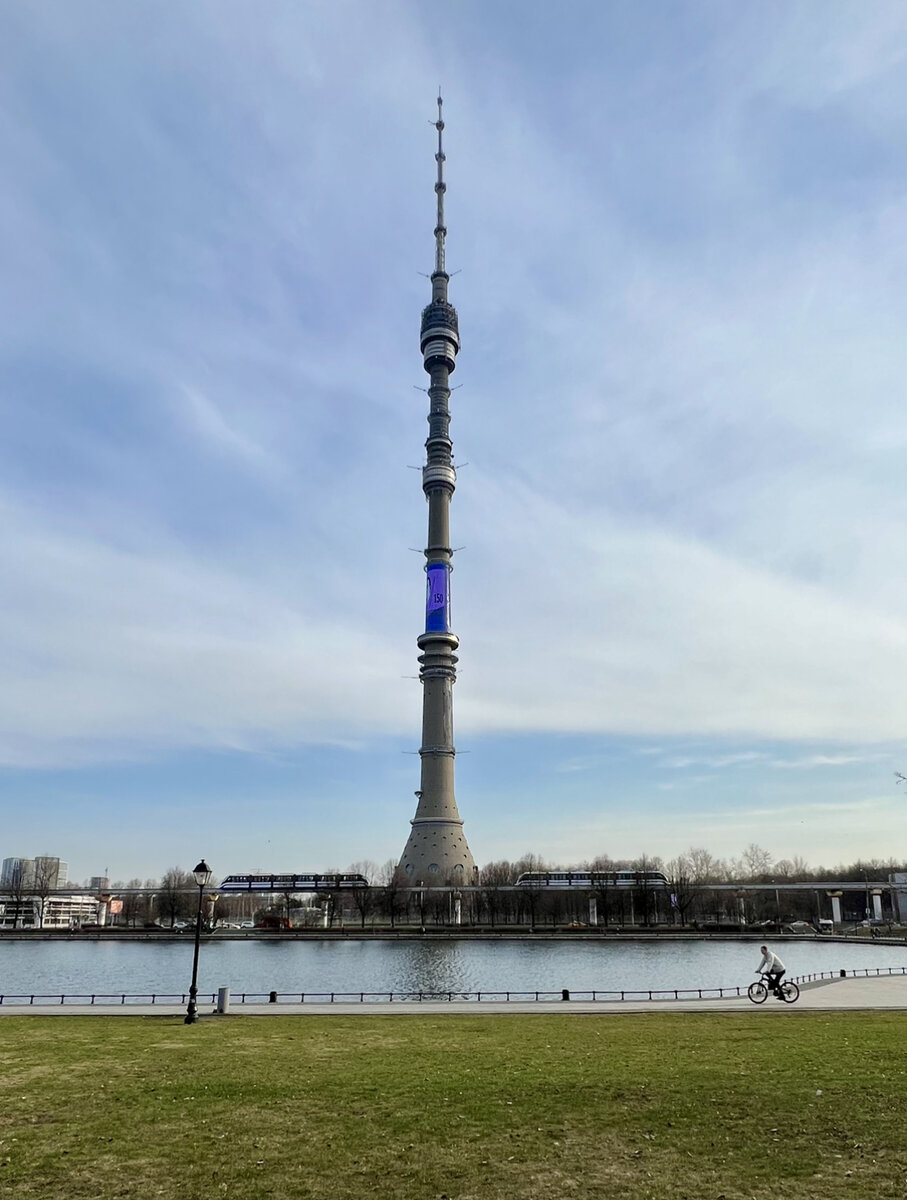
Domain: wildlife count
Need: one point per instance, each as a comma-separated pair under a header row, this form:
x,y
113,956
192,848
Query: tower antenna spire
x,y
440,189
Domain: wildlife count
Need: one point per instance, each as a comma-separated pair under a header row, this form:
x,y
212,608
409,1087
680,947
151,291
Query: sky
x,y
677,237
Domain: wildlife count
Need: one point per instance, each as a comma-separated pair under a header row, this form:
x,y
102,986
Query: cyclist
x,y
774,968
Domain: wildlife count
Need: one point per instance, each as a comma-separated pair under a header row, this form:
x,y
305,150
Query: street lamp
x,y
202,874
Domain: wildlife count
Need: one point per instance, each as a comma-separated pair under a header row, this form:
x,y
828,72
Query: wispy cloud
x,y
213,428
820,761
113,652
683,244
716,762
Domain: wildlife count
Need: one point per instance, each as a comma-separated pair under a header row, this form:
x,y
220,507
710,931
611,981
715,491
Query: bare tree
x,y
367,867
17,884
222,909
175,895
492,877
800,868
603,864
44,881
644,866
603,870
364,898
391,879
704,867
756,861
684,890
793,870
135,906
530,890
439,907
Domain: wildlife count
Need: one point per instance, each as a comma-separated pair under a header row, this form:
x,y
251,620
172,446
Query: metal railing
x,y
858,973
46,999
409,997
624,995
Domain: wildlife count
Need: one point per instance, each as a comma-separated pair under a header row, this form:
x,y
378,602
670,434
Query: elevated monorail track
x,y
294,885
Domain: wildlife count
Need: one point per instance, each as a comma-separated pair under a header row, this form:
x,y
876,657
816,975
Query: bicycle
x,y
758,991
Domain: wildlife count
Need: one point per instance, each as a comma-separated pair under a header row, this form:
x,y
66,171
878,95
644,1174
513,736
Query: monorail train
x,y
290,883
592,879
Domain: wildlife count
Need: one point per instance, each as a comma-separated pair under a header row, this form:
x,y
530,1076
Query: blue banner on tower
x,y
437,598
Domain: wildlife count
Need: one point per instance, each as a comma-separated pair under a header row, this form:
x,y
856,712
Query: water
x,y
262,965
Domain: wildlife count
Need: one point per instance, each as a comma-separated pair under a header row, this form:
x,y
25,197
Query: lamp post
x,y
202,874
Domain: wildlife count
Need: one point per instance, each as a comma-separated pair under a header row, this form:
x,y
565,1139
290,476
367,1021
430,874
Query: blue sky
x,y
679,237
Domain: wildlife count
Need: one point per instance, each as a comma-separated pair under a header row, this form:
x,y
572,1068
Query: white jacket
x,y
771,962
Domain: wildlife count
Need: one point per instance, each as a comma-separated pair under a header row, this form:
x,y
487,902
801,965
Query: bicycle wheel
x,y
757,992
789,992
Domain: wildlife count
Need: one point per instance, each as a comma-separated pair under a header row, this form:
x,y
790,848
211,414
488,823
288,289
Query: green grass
x,y
412,1107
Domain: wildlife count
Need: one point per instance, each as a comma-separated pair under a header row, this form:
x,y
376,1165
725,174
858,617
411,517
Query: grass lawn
x,y
414,1107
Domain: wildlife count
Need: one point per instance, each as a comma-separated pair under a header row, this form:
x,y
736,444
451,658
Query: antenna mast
x,y
440,189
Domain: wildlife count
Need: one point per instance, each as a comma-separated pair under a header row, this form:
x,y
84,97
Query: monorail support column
x,y
835,898
593,910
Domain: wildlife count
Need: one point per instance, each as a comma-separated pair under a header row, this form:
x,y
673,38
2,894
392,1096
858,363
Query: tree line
x,y
390,898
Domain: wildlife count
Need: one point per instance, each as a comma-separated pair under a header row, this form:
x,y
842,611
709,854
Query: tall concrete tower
x,y
436,851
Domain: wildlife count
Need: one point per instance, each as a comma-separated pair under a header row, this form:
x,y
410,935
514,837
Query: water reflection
x,y
431,967
262,965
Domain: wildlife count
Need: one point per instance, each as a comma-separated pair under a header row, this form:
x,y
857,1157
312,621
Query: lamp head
x,y
202,873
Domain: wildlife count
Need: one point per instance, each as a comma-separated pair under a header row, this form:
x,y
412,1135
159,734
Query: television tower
x,y
436,850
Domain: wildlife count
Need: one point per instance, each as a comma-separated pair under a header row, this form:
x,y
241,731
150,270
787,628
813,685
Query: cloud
x,y
114,653
682,251
207,420
715,763
602,626
821,761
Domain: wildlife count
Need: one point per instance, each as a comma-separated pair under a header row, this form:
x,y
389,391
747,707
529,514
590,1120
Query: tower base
x,y
436,852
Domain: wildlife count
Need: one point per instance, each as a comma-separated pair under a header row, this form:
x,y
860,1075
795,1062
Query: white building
x,y
60,912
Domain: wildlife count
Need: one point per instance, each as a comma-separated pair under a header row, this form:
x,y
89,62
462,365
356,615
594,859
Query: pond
x,y
461,964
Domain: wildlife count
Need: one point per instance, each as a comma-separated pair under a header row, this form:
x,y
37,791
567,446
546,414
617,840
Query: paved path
x,y
880,993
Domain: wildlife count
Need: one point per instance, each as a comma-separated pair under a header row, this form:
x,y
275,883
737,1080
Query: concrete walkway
x,y
879,993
